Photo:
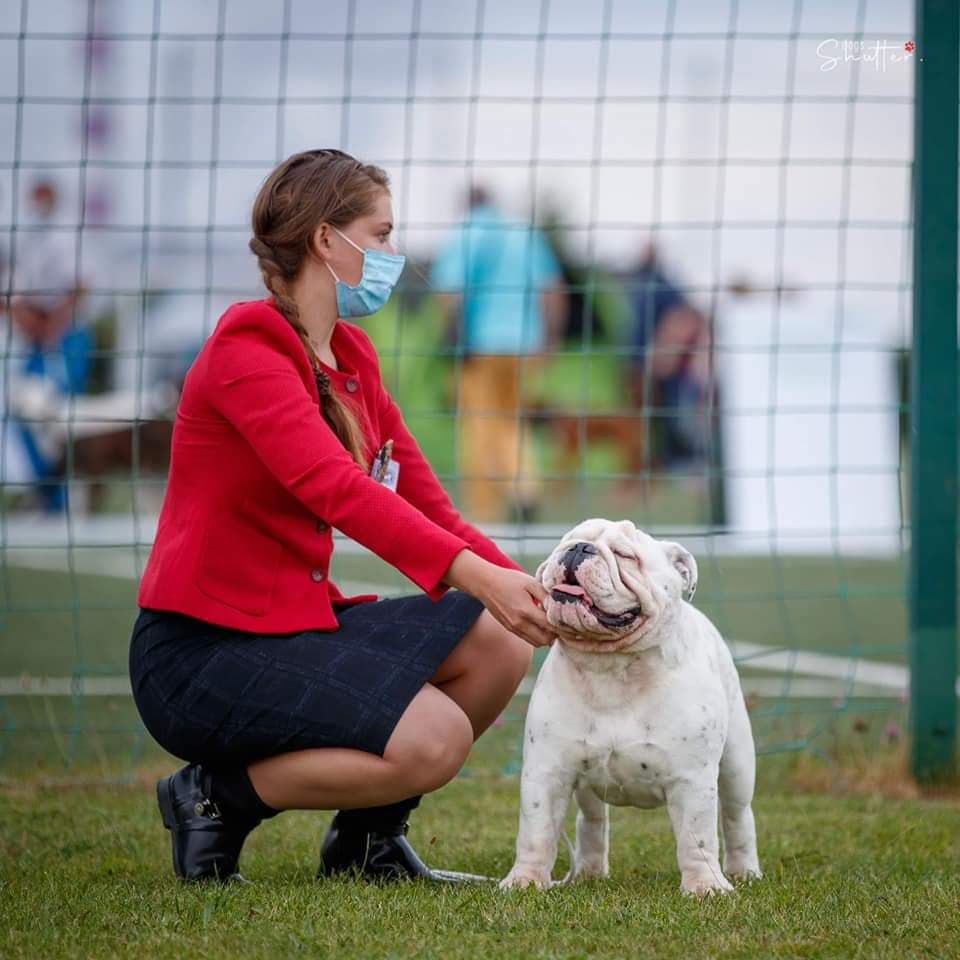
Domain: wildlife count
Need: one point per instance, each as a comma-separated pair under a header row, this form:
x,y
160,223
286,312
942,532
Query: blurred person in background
x,y
59,416
502,293
46,347
669,361
582,321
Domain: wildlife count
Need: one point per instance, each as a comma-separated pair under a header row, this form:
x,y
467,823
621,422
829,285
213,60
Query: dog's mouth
x,y
574,593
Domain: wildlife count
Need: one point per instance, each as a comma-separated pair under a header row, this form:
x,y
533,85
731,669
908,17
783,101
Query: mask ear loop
x,y
345,237
327,265
314,255
359,250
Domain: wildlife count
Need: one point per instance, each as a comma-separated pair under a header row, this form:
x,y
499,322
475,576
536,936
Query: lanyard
x,y
381,461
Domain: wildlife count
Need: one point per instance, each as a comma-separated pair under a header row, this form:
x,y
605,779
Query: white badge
x,y
392,475
385,470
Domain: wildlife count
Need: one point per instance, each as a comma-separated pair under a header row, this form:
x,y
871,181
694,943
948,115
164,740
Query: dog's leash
x,y
455,875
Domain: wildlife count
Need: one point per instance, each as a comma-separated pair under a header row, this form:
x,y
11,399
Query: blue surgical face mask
x,y
381,271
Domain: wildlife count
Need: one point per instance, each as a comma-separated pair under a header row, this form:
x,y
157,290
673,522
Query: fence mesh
x,y
712,202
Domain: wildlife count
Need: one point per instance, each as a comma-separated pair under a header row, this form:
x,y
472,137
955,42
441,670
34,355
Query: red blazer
x,y
258,479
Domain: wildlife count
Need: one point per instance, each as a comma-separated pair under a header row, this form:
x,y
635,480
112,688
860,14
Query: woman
x,y
246,660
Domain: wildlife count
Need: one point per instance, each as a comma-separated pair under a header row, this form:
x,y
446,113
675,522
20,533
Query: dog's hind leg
x,y
591,857
736,782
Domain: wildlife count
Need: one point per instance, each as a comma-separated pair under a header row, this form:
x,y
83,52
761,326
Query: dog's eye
x,y
622,555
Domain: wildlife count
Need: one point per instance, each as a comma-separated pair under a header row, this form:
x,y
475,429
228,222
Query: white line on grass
x,y
798,687
99,686
800,675
757,656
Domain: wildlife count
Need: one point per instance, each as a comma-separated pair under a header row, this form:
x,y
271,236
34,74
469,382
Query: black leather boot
x,y
206,836
373,843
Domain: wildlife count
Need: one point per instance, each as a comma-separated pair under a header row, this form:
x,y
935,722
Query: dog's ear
x,y
682,560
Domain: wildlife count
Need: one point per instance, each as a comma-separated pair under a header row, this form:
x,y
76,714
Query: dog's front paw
x,y
526,876
705,884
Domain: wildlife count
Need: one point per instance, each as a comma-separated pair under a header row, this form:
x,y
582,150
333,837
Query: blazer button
x,y
352,385
321,526
316,574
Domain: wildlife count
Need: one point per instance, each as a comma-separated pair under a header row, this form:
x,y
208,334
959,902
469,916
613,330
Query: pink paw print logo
x,y
909,46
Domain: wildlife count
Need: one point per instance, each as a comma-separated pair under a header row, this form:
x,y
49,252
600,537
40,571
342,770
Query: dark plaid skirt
x,y
207,692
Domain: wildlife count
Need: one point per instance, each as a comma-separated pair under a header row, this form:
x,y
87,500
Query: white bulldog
x,y
637,704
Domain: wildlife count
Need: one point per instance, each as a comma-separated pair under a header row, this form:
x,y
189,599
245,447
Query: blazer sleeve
x,y
419,484
255,385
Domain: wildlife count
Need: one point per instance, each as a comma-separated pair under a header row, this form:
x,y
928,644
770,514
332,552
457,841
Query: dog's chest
x,y
626,770
632,756
628,735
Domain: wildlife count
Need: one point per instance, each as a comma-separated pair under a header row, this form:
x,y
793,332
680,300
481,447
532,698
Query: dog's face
x,y
610,585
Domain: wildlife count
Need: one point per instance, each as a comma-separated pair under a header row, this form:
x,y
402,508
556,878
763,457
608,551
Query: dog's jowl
x,y
637,704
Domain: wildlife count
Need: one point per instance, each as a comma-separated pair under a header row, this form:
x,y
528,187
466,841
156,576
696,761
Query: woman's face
x,y
373,232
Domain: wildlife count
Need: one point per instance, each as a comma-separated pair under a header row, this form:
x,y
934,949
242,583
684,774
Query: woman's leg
x,y
426,749
483,671
480,675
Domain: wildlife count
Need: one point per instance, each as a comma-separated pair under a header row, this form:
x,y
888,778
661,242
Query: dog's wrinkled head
x,y
609,585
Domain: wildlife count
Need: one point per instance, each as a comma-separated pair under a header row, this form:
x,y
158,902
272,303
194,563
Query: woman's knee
x,y
437,759
431,742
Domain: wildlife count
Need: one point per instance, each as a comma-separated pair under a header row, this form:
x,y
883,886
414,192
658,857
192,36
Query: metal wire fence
x,y
720,312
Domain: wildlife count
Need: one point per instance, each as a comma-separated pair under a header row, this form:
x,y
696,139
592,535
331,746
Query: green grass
x,y
87,873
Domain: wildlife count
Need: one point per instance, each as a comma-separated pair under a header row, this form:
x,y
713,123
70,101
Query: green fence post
x,y
933,552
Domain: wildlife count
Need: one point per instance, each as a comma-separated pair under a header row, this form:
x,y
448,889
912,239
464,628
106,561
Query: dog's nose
x,y
576,554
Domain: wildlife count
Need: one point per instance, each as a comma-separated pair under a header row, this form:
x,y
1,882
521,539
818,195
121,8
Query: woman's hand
x,y
512,596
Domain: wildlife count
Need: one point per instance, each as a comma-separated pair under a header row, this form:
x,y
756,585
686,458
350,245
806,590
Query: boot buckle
x,y
206,807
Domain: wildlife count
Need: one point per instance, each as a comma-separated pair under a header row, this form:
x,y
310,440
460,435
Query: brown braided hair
x,y
305,190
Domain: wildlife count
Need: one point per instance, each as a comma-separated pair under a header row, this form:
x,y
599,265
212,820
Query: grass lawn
x,y
86,872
